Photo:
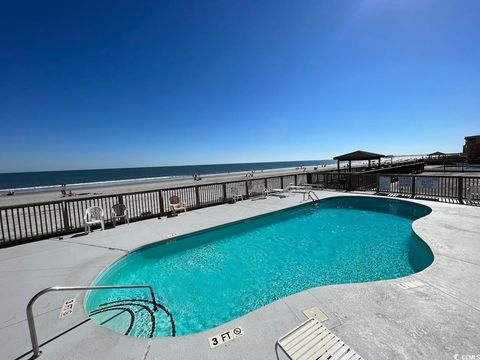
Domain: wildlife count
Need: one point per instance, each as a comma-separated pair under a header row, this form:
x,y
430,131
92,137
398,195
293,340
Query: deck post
x,y
197,197
413,186
281,182
160,198
460,189
224,189
66,224
246,190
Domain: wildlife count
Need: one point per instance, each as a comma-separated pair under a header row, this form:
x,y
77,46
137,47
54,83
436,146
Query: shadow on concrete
x,y
50,340
78,235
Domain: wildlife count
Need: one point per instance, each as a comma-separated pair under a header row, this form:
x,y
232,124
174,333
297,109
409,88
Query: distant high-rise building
x,y
471,149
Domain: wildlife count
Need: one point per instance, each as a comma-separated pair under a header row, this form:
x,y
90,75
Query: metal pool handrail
x,y
314,197
30,317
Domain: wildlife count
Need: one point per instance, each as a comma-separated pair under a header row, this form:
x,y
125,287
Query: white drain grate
x,y
410,284
313,341
316,313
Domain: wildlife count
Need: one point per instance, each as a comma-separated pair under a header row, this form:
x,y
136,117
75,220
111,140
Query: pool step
x,y
132,307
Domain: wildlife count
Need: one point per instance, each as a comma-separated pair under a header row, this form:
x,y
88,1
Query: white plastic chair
x,y
119,211
93,215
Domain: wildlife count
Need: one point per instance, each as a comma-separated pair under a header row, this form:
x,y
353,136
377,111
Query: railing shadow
x,y
53,338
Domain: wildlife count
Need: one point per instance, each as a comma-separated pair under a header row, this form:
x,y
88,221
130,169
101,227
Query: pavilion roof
x,y
358,155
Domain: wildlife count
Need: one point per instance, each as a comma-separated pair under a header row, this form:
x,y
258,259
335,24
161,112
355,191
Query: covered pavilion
x,y
358,156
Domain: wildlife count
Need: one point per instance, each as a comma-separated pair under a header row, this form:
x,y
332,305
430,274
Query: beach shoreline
x,y
51,180
53,192
132,186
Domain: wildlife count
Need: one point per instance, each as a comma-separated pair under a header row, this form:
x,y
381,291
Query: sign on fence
x,y
404,181
384,183
427,182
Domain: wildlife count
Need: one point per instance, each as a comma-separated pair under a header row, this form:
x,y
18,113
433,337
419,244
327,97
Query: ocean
x,y
52,180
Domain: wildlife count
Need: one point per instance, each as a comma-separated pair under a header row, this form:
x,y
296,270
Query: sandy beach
x,y
132,186
35,197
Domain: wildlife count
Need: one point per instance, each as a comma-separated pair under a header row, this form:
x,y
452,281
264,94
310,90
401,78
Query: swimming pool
x,y
208,278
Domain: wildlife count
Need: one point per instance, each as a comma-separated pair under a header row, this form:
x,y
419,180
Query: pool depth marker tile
x,y
225,337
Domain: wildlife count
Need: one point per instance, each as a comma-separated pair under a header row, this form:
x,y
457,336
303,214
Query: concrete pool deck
x,y
379,320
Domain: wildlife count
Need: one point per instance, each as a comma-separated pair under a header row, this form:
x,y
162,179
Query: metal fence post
x,y
224,189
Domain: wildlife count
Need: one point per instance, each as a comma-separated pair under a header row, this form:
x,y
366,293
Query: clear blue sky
x,y
94,84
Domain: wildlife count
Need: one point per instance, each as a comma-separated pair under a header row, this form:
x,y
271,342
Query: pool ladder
x,y
312,196
104,308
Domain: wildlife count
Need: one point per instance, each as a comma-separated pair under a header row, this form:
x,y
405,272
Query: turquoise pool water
x,y
209,278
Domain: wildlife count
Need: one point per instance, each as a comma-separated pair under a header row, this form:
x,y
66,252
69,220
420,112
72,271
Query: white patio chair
x,y
256,194
176,205
282,193
93,216
119,211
